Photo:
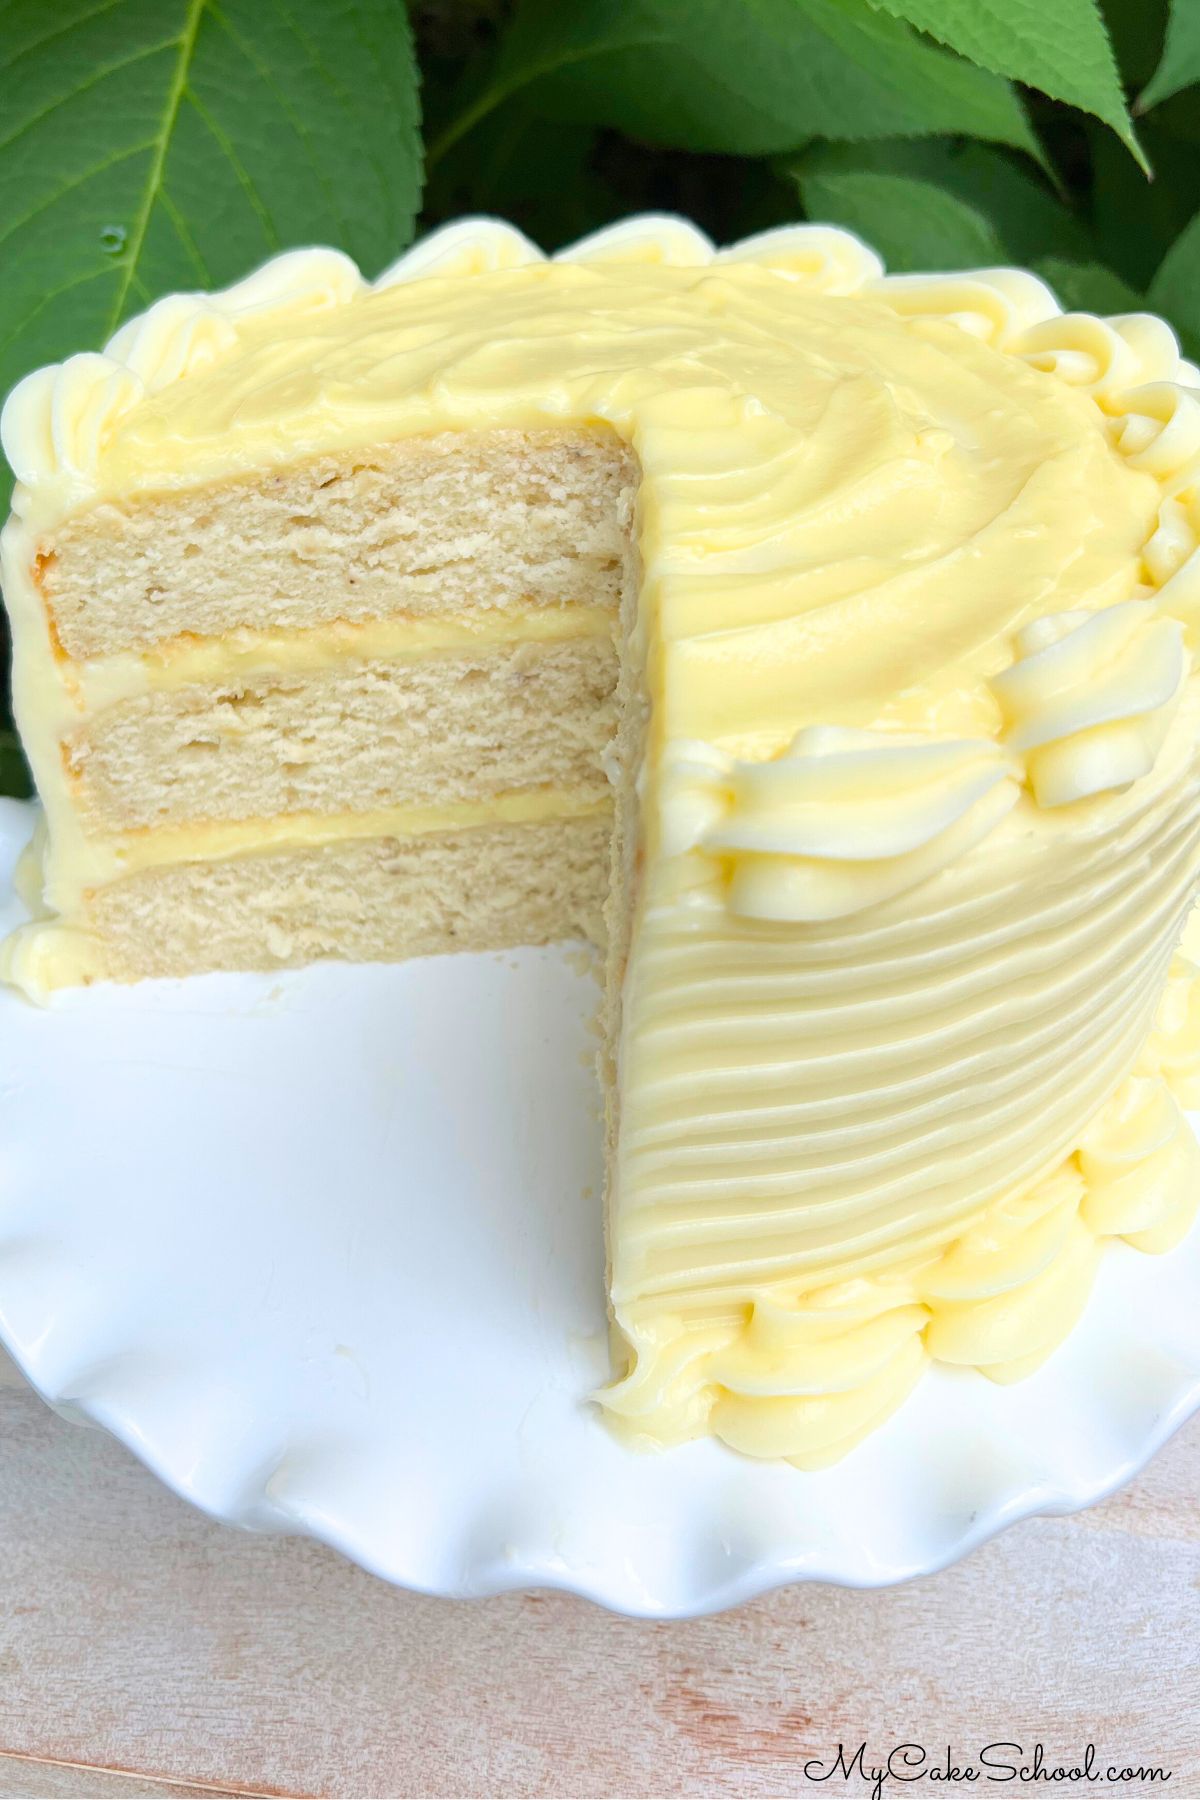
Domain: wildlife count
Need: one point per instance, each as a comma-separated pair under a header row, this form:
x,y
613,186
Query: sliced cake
x,y
830,634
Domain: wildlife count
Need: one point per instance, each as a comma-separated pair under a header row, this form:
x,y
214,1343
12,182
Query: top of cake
x,y
858,491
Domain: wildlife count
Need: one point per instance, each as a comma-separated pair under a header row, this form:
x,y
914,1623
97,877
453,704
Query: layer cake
x,y
821,642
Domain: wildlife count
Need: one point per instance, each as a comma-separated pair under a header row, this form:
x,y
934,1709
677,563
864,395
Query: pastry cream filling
x,y
244,655
101,860
920,808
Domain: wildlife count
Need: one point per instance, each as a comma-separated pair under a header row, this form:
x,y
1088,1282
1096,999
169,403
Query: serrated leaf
x,y
1058,46
1175,290
744,77
150,145
914,224
1088,287
1180,65
1021,213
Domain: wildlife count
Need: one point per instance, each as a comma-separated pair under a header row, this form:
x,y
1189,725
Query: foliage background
x,y
154,145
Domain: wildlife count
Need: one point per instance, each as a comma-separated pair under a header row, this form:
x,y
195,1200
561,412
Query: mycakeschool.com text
x,y
881,1771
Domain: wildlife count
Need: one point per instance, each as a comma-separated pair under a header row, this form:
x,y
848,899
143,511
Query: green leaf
x,y
1088,287
1180,65
1059,46
912,223
743,77
1029,217
1022,216
148,145
1175,290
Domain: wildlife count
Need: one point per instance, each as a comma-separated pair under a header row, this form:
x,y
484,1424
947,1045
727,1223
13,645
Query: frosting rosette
x,y
1141,1163
842,820
59,419
477,246
1103,357
1007,1292
650,238
1172,557
178,337
1156,427
825,258
1090,697
995,305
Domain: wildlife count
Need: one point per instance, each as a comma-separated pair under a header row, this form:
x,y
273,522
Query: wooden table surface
x,y
146,1651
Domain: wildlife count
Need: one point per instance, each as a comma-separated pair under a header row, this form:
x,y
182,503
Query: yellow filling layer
x,y
214,839
242,655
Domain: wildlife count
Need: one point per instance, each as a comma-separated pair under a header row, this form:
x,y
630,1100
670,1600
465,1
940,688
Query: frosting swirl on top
x,y
59,419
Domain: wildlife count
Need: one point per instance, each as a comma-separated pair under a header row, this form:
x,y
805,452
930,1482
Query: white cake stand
x,y
324,1250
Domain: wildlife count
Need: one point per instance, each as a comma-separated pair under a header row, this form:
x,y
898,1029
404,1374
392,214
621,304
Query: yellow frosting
x,y
920,819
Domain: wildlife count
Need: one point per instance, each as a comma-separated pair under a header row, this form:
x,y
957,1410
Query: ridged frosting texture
x,y
902,1133
920,603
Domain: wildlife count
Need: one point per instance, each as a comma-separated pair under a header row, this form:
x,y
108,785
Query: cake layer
x,y
485,887
440,728
425,526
